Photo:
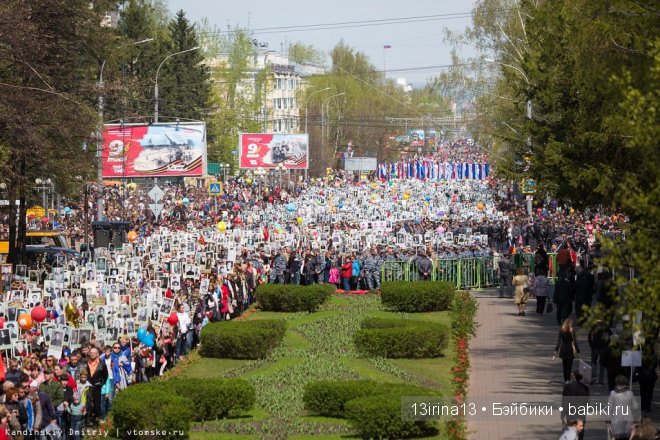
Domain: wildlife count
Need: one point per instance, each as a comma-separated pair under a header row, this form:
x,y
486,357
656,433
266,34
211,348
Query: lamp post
x,y
99,138
323,120
306,105
158,72
44,185
224,168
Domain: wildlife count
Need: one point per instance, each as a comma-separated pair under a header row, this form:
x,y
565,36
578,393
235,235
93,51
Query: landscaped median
x,y
338,372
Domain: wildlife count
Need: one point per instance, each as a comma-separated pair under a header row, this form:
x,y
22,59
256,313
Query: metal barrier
x,y
464,273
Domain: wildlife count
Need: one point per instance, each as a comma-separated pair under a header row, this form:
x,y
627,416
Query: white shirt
x,y
184,322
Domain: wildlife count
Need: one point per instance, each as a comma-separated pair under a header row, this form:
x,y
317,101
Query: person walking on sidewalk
x,y
505,267
521,282
564,294
599,340
541,289
566,347
573,430
574,393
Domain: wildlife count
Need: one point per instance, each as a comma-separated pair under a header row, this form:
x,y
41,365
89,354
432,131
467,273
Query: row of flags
x,y
427,169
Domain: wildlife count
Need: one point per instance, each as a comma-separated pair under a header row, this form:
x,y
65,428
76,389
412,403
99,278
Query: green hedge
x,y
213,398
146,408
420,296
250,339
377,417
292,298
328,398
400,338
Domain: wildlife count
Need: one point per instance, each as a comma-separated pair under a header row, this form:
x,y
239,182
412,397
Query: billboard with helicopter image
x,y
154,150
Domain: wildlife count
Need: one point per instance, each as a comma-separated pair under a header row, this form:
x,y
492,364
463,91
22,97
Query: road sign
x,y
156,208
528,186
156,194
215,188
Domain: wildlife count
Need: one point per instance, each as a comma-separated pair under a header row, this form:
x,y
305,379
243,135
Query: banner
x,y
361,164
268,150
140,150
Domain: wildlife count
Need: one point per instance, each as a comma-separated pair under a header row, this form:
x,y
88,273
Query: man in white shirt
x,y
184,340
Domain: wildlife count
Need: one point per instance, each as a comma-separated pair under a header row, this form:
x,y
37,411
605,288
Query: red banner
x,y
268,150
154,150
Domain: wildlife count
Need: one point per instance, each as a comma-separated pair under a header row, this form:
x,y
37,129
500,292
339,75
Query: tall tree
x,y
49,60
590,72
238,95
184,78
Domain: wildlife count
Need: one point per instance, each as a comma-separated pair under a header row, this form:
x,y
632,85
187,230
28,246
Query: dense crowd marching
x,y
119,316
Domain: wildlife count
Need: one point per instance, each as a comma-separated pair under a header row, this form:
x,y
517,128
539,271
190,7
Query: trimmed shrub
x,y
151,410
329,397
380,417
400,338
292,298
420,296
213,398
250,339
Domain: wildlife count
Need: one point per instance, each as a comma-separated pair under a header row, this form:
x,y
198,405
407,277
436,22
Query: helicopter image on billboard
x,y
164,150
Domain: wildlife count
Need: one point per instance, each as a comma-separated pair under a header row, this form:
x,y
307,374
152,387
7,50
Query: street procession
x,y
313,246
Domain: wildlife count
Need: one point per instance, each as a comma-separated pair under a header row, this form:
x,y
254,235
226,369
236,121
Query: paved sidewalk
x,y
511,357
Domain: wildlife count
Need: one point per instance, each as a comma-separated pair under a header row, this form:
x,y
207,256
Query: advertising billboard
x,y
360,164
141,150
268,150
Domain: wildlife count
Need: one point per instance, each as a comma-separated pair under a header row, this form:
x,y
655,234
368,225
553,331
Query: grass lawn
x,y
316,346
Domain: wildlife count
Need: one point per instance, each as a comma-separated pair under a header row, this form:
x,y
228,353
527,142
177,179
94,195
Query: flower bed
x,y
463,311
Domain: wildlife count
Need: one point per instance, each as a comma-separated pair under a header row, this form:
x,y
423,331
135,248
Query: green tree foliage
x,y
590,70
238,95
305,53
361,114
50,54
184,78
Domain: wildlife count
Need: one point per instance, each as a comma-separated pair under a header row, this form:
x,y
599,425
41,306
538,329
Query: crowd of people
x,y
119,315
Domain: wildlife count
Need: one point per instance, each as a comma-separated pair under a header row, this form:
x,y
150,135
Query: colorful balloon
x,y
72,315
221,226
25,321
186,201
132,236
141,333
38,313
299,220
172,319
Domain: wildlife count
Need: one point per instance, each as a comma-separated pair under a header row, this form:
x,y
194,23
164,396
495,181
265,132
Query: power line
x,y
349,24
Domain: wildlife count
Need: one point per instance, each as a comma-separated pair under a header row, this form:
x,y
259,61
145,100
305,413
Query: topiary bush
x,y
420,296
148,412
400,338
379,416
213,398
249,339
293,298
328,398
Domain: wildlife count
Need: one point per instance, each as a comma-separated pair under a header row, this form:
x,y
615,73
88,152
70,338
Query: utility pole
x,y
99,150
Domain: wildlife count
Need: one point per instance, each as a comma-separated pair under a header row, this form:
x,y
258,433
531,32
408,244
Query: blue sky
x,y
414,42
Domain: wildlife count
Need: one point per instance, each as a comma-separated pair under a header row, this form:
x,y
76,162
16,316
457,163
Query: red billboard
x,y
140,150
268,150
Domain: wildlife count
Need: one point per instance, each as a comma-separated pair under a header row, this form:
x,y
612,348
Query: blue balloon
x,y
67,210
141,333
149,340
428,198
341,205
291,207
186,201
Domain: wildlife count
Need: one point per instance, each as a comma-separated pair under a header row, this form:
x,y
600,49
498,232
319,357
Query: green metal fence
x,y
464,273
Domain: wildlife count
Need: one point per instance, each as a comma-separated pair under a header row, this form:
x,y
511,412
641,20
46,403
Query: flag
x,y
387,46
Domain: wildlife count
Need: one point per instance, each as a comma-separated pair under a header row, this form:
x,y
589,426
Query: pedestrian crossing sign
x,y
215,188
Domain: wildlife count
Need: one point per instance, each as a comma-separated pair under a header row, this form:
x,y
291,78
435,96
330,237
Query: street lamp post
x,y
99,138
323,119
158,72
306,105
43,186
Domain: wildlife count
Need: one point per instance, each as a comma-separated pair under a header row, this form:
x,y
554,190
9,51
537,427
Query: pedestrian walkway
x,y
511,361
